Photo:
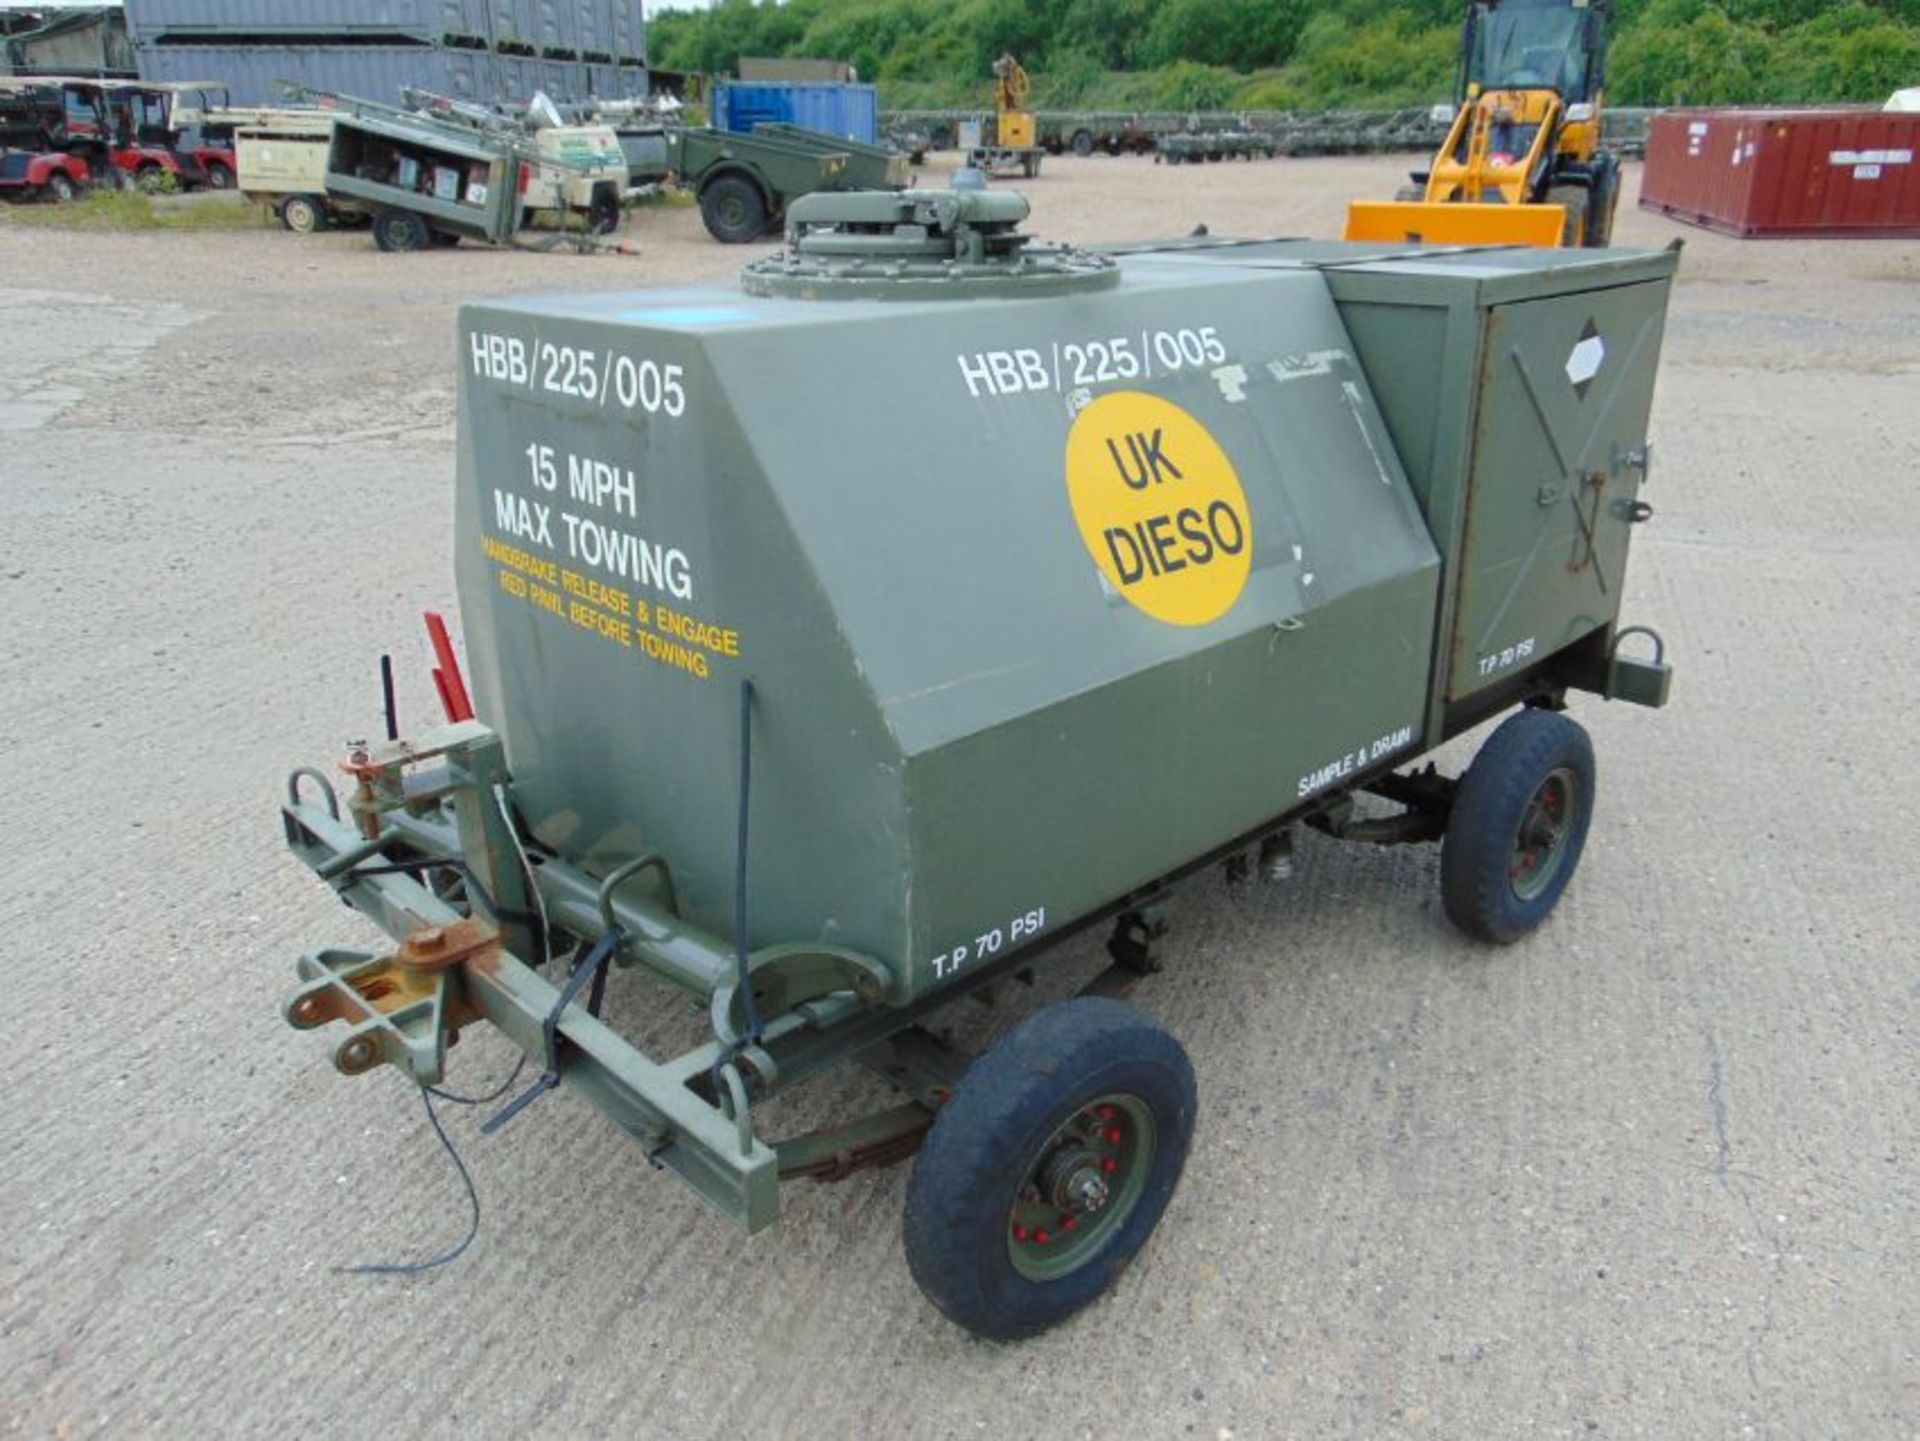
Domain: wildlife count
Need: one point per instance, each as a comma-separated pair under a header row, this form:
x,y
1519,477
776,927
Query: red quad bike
x,y
32,165
121,129
35,175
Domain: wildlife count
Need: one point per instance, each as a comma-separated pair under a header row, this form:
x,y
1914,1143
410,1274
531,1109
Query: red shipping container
x,y
1786,172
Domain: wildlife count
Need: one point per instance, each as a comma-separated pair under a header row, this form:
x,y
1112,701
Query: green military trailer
x,y
1194,148
438,171
745,182
1197,544
1112,132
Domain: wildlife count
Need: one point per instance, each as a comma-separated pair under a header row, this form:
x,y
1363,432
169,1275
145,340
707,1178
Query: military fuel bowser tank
x,y
843,640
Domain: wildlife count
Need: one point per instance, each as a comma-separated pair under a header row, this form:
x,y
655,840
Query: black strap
x,y
593,968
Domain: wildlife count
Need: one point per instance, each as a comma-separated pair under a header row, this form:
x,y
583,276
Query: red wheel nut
x,y
1109,1165
1069,1223
1106,1113
1114,1134
1020,1233
1041,1237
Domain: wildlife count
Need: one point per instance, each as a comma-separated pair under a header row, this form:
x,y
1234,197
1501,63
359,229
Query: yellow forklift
x,y
1522,163
1015,145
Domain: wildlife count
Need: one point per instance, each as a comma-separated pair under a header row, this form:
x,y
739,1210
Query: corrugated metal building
x,y
254,73
491,51
73,41
608,31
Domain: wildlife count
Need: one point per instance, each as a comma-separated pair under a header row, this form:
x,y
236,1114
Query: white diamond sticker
x,y
1585,361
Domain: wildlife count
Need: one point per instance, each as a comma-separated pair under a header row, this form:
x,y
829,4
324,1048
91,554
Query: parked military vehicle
x,y
1197,544
438,171
1109,132
745,182
868,167
1188,148
910,140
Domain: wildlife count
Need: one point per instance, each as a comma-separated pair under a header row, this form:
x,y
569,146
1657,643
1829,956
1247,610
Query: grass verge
x,y
105,209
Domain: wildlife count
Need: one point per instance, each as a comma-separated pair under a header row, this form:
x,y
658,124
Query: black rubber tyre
x,y
304,214
1518,825
1006,1117
734,210
603,211
1083,142
60,188
400,231
1602,202
219,177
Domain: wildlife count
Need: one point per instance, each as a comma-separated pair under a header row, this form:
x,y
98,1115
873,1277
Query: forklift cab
x,y
1535,45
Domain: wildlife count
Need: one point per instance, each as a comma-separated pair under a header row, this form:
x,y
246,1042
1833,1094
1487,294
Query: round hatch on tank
x,y
918,245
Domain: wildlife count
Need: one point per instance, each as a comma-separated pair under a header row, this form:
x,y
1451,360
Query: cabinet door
x,y
1559,456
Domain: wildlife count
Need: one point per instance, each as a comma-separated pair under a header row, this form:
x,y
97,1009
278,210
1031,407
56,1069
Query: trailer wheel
x,y
734,209
399,231
1083,143
1518,824
304,214
1049,1168
60,187
603,211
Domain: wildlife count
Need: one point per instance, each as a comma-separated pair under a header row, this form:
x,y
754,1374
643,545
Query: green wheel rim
x,y
1540,840
732,211
1082,1187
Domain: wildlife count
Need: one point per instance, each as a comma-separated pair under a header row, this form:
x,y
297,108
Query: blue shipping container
x,y
852,111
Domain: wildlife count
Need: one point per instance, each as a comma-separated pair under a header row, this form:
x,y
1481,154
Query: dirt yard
x,y
1654,1172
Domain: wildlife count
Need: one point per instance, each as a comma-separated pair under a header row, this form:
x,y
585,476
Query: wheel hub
x,y
1073,1181
1082,1187
1540,839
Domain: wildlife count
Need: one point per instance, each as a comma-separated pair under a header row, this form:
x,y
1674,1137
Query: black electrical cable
x,y
414,1268
495,1094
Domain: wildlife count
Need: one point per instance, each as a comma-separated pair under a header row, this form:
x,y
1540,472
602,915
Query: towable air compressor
x,y
1197,543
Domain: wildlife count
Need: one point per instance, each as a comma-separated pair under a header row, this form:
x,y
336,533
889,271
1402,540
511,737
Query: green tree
x,y
1189,85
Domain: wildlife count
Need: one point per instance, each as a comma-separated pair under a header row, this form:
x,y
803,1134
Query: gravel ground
x,y
1651,1173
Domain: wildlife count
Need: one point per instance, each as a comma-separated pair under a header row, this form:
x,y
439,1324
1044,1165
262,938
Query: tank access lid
x,y
918,245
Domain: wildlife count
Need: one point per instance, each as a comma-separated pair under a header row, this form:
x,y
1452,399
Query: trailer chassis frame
x,y
428,848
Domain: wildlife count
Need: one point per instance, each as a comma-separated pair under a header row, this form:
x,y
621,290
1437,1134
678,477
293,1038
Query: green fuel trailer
x,y
1192,544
